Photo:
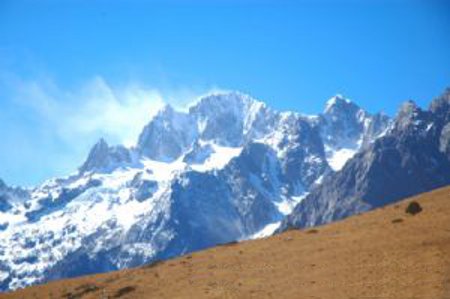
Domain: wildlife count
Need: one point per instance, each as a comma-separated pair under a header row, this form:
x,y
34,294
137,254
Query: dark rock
x,y
413,208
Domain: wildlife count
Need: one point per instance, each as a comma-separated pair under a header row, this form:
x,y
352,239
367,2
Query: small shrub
x,y
413,208
82,290
124,291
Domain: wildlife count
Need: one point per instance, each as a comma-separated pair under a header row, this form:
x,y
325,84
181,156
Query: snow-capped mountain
x,y
412,157
229,168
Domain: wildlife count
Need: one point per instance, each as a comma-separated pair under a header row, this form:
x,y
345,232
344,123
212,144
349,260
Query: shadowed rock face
x,y
167,136
411,158
104,158
5,205
9,196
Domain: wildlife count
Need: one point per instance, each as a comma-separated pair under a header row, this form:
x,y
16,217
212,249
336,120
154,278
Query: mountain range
x,y
229,168
412,157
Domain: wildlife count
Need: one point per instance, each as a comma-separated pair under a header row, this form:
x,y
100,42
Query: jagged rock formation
x,y
411,158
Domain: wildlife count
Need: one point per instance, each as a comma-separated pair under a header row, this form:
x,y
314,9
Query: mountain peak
x,y
101,143
218,116
442,103
409,105
225,100
336,102
165,109
408,110
98,152
103,156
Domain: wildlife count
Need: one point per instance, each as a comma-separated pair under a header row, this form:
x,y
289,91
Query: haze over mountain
x,y
230,168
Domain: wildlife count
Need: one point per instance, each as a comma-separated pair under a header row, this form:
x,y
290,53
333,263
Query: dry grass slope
x,y
386,253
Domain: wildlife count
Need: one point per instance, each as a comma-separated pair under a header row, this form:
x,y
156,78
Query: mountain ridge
x,y
228,164
409,159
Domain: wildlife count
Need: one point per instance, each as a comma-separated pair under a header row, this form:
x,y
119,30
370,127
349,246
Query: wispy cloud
x,y
56,126
95,109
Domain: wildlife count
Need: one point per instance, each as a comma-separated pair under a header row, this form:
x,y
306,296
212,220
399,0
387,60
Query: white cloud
x,y
96,109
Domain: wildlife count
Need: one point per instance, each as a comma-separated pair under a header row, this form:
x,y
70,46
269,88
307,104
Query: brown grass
x,y
374,255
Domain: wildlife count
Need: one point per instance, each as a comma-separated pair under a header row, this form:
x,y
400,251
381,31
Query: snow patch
x,y
334,100
267,231
338,158
220,157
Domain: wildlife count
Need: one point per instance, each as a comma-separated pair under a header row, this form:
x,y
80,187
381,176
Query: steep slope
x,y
411,158
386,253
230,168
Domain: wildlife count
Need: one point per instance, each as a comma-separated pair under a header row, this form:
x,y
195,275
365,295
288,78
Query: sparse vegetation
x,y
397,220
82,290
123,291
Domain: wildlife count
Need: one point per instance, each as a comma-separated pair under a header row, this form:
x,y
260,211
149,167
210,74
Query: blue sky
x,y
72,71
